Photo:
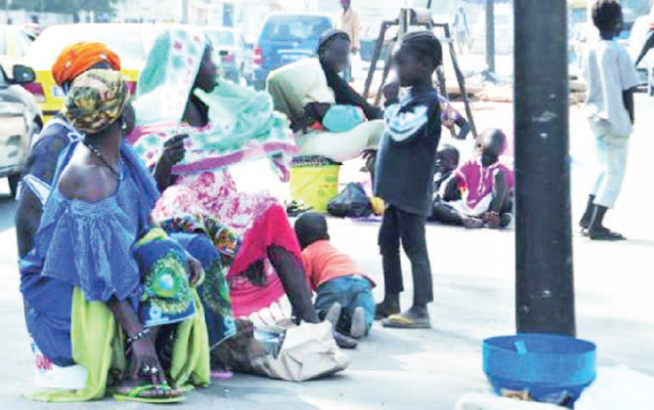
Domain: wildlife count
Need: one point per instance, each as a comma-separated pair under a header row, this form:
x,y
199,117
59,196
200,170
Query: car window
x,y
127,42
221,38
295,28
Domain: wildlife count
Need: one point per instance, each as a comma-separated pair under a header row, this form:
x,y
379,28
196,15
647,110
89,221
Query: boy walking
x,y
405,177
612,79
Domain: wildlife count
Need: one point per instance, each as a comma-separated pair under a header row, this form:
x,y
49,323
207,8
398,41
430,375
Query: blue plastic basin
x,y
544,365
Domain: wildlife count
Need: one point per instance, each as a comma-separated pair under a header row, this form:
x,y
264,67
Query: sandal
x,y
221,375
604,234
135,394
407,321
297,208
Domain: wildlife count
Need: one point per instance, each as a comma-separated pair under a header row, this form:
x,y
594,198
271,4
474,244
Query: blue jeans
x,y
351,292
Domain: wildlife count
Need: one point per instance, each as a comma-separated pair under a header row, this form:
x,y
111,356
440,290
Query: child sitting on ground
x,y
480,194
344,290
447,161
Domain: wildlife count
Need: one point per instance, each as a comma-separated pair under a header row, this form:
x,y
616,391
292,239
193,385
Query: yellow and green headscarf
x,y
96,100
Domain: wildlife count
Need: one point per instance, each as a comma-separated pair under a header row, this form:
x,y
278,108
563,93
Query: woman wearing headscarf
x,y
109,294
56,135
193,126
329,117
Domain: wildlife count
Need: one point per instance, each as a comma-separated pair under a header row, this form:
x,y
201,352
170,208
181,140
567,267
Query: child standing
x,y
612,79
405,177
344,290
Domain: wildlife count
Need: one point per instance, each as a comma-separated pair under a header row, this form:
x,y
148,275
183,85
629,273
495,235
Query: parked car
x,y
131,42
286,38
234,56
639,32
20,123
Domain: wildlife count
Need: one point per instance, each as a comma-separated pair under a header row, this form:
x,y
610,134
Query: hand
x,y
145,362
368,154
391,91
195,271
173,153
174,150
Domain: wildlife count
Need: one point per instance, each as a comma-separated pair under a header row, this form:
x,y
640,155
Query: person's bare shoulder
x,y
86,181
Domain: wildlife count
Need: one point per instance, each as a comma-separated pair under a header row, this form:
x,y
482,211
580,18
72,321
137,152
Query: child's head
x,y
492,143
311,227
420,53
607,16
447,159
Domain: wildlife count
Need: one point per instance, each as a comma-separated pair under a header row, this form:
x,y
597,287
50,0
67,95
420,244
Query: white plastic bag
x,y
618,388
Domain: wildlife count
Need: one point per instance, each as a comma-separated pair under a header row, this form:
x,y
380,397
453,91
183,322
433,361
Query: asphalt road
x,y
474,291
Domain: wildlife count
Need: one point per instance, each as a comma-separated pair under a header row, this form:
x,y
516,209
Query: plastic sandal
x,y
134,395
404,321
221,375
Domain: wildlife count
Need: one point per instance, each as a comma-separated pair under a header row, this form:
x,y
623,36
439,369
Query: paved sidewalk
x,y
474,291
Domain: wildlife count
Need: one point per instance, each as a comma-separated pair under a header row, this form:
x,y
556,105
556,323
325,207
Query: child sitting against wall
x,y
344,290
481,191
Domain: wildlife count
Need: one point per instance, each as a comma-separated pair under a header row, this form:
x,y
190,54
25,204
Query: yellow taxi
x,y
131,42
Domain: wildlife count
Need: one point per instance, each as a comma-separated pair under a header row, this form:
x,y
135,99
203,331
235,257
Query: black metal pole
x,y
544,268
490,35
460,78
379,44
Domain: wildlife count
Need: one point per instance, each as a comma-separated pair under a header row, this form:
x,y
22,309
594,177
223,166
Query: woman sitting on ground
x,y
98,262
329,117
195,126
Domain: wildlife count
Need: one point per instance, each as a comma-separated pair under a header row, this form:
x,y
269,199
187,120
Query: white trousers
x,y
612,153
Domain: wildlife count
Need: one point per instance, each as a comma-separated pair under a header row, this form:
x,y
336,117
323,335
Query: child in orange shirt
x,y
344,290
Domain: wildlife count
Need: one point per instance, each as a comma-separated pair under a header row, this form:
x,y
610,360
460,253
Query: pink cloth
x,y
257,219
476,181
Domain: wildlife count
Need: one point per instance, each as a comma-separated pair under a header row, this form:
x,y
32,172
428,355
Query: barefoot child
x,y
344,291
405,177
612,79
480,193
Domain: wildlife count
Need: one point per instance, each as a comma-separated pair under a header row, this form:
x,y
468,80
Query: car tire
x,y
14,180
650,88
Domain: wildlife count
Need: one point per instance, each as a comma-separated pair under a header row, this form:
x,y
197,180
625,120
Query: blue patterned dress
x,y
107,249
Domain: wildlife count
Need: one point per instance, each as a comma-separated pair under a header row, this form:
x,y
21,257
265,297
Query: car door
x,y
14,128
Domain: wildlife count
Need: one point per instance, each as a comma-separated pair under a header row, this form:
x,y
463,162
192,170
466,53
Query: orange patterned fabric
x,y
81,57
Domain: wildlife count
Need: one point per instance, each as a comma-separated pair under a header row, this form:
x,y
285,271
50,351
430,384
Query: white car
x,y
637,39
20,123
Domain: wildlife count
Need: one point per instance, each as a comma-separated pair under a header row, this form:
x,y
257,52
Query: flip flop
x,y
221,375
296,208
134,395
404,321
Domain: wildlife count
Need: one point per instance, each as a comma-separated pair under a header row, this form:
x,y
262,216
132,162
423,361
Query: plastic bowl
x,y
547,366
